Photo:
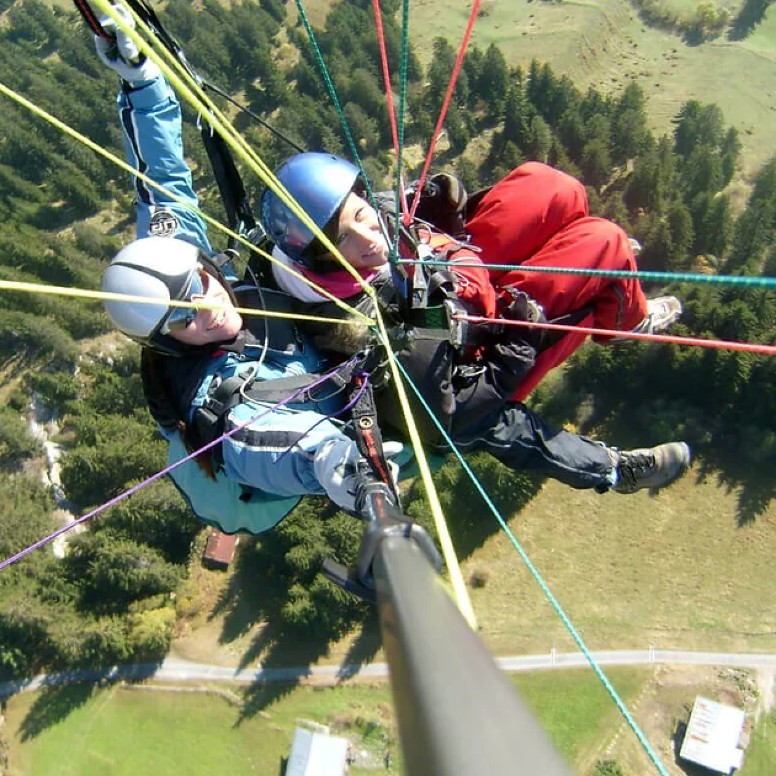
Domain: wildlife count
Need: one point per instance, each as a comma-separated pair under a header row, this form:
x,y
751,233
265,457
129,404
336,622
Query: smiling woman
x,y
164,270
216,320
360,238
272,455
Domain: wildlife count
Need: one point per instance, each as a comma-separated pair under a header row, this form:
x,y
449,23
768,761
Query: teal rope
x,y
334,98
674,277
404,57
651,753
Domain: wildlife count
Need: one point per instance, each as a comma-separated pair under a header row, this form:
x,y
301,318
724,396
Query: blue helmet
x,y
320,183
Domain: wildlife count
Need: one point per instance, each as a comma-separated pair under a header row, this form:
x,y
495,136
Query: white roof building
x,y
713,735
317,754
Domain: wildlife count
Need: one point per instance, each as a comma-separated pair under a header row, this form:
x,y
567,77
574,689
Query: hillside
x,y
690,567
604,44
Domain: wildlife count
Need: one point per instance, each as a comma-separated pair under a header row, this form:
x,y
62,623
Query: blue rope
x,y
651,753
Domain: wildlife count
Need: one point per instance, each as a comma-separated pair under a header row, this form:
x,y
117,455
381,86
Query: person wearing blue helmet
x,y
472,387
535,217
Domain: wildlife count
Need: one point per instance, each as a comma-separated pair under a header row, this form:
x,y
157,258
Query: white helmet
x,y
160,268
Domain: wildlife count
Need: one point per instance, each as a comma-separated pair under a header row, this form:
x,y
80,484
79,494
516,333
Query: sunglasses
x,y
180,318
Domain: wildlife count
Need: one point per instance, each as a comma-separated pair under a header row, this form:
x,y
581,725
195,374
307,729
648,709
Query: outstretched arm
x,y
150,119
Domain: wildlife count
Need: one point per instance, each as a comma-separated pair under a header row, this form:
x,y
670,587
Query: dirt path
x,y
765,684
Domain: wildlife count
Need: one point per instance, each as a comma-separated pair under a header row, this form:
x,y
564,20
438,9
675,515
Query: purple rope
x,y
349,406
126,494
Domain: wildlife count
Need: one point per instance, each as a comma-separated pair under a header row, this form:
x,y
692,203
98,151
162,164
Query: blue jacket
x,y
267,465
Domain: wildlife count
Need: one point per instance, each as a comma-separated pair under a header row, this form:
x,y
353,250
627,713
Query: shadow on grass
x,y
277,580
722,450
283,646
52,705
244,600
364,647
469,517
754,481
276,591
64,692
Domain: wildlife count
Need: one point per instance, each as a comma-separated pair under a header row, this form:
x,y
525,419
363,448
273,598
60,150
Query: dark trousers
x,y
521,440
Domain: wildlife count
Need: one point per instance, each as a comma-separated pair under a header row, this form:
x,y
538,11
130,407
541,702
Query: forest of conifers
x,y
110,599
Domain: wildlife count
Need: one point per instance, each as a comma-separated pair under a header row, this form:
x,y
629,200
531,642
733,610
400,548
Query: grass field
x,y
674,571
81,731
603,44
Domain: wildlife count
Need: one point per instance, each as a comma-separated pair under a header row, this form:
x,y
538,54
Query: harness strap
x,y
210,418
239,214
368,437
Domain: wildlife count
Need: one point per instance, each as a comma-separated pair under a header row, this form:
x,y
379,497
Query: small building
x,y
317,754
713,736
219,550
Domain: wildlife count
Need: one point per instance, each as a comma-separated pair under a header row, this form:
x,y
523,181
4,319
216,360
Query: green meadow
x,y
604,44
81,731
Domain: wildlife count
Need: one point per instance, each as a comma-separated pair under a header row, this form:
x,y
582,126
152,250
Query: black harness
x,y
209,419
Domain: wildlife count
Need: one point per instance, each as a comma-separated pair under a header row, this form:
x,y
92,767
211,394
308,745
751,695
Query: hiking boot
x,y
662,311
651,467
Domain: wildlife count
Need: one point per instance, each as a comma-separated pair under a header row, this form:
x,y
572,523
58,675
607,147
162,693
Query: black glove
x,y
525,308
442,203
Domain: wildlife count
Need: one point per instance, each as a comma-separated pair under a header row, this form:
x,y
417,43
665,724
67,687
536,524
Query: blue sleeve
x,y
274,452
150,118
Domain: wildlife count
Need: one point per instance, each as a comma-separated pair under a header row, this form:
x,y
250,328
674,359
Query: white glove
x,y
120,53
335,467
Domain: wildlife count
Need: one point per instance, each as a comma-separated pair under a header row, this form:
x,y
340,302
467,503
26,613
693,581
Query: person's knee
x,y
612,249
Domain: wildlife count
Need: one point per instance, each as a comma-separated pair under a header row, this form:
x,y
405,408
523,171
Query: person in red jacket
x,y
538,217
469,380
534,217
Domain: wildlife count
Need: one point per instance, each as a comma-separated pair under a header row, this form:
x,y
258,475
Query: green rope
x,y
334,98
651,753
674,277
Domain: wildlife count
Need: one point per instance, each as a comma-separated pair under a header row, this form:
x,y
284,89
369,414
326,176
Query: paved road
x,y
184,670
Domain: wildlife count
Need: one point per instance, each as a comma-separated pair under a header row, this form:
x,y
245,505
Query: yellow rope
x,y
238,145
84,293
38,111
460,593
189,90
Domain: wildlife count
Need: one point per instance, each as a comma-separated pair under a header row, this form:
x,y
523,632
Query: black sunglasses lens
x,y
181,318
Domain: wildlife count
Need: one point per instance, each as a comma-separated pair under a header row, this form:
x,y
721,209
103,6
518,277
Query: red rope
x,y
389,94
386,75
91,20
445,106
745,347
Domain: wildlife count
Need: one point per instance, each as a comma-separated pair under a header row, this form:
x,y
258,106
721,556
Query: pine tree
x,y
494,82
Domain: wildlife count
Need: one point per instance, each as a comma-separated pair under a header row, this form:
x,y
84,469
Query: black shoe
x,y
652,467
